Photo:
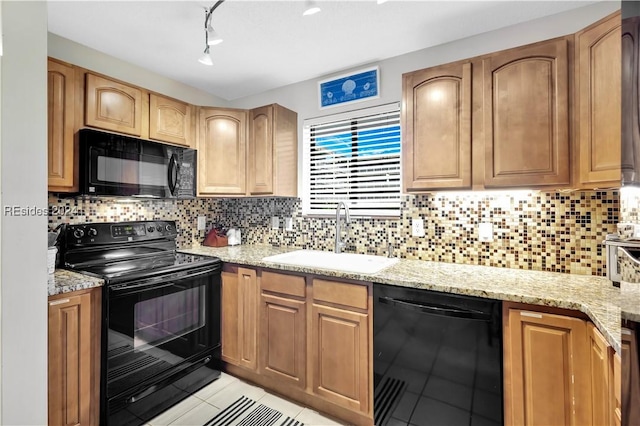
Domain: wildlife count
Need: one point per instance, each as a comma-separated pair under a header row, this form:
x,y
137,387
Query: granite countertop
x,y
63,281
592,295
630,301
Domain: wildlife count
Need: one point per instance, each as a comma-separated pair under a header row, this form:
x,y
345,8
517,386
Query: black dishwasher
x,y
437,358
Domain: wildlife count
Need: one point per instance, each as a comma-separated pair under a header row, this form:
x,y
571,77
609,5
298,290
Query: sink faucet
x,y
347,220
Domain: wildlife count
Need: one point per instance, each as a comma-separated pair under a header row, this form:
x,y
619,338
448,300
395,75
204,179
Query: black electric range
x,y
160,315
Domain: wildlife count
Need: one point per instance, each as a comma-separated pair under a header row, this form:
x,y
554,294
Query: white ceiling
x,y
269,44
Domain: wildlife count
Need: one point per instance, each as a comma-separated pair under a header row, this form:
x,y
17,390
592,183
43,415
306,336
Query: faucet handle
x,y
390,250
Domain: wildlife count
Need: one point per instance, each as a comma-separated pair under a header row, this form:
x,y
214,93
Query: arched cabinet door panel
x,y
113,106
437,128
526,116
222,152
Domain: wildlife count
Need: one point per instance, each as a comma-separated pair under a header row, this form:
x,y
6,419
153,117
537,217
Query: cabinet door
x,y
113,106
169,120
248,317
261,151
546,369
630,100
616,390
630,378
283,339
599,354
70,363
437,128
598,77
61,113
526,116
222,152
340,356
230,318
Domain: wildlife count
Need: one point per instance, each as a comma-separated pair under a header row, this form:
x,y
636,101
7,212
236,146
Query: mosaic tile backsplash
x,y
184,212
548,231
630,205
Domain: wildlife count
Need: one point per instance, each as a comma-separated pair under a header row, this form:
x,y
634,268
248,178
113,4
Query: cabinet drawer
x,y
354,295
282,283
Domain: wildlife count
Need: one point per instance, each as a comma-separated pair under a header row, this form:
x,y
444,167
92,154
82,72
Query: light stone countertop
x,y
630,301
63,281
592,295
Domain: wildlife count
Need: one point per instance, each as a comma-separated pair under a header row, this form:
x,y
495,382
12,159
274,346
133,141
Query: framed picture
x,y
358,86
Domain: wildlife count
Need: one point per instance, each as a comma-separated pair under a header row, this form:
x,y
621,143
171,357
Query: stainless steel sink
x,y
347,262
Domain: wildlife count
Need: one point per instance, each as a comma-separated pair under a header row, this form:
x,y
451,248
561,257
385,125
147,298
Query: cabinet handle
x,y
530,314
59,302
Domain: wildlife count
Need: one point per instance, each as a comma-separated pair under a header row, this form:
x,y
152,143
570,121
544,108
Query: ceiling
x,y
269,44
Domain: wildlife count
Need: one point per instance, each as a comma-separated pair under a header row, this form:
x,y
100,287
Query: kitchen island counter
x,y
592,295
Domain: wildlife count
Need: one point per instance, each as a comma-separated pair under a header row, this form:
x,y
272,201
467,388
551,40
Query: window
x,y
353,157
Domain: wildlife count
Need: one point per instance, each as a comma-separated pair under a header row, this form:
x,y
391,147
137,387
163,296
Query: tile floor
x,y
210,400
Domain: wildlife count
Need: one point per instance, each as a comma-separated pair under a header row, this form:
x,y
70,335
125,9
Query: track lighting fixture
x,y
206,57
211,37
311,8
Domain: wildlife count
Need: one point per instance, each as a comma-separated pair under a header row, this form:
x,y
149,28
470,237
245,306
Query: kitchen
x,y
258,230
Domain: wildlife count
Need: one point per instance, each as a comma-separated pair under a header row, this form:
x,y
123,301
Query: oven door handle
x,y
158,282
127,287
436,310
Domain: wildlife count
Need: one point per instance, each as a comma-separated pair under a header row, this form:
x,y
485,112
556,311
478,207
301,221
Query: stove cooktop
x,y
127,251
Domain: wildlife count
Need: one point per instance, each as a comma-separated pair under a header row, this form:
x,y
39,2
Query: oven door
x,y
156,331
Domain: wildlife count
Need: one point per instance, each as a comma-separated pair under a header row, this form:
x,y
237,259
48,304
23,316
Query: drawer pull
x,y
59,302
530,314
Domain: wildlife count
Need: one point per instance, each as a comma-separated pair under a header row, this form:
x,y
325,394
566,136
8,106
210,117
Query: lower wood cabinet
x,y
239,316
314,338
74,358
283,328
340,356
558,370
630,383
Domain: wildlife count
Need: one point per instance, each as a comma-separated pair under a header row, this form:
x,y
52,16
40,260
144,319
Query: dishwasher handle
x,y
436,310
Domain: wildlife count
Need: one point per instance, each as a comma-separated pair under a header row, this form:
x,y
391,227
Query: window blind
x,y
353,157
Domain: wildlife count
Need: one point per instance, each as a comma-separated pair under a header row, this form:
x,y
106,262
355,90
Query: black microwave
x,y
116,165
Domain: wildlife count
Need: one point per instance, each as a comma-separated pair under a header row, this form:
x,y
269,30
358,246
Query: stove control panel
x,y
119,232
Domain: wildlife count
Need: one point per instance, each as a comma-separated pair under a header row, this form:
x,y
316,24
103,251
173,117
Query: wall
x,y
78,54
24,183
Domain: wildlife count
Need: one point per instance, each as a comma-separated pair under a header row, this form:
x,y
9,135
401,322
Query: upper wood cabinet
x,y
74,358
630,100
546,369
436,146
222,152
501,120
273,151
598,103
114,106
170,120
525,113
61,154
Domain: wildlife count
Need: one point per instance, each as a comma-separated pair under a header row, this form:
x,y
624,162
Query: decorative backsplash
x,y
630,205
548,231
184,212
560,232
